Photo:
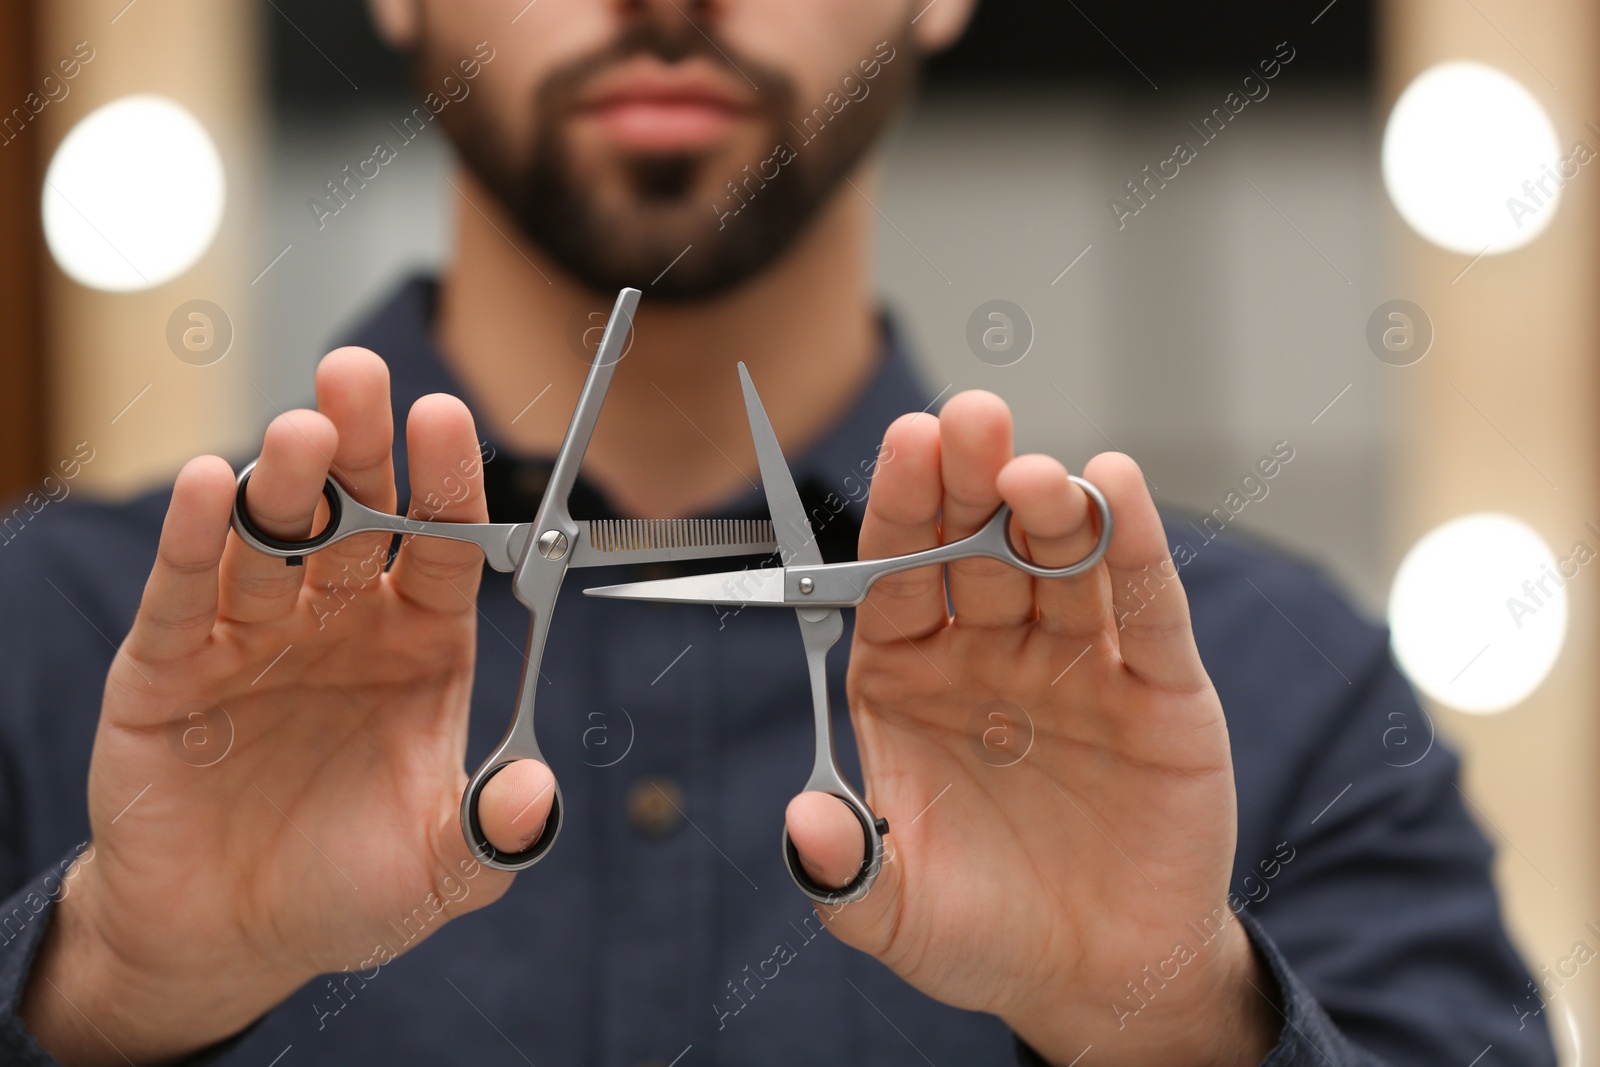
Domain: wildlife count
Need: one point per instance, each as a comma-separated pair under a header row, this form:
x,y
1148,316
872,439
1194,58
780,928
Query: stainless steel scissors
x,y
817,590
539,561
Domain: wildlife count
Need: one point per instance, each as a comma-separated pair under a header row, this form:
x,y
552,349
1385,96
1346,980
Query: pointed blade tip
x,y
760,586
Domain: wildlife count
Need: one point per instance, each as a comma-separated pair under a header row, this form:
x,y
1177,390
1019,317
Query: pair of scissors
x,y
817,590
538,554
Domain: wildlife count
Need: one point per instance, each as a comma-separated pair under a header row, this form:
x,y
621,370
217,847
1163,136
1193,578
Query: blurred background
x,y
1381,256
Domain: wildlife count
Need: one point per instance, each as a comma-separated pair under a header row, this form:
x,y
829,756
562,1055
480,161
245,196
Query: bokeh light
x,y
1478,612
1471,159
133,195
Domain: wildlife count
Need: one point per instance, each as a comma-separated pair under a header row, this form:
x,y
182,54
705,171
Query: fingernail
x,y
531,836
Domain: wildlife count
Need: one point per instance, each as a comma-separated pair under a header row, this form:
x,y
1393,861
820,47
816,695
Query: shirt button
x,y
654,806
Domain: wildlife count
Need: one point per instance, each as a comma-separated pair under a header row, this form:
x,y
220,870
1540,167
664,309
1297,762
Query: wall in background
x,y
1502,417
22,364
117,386
1221,319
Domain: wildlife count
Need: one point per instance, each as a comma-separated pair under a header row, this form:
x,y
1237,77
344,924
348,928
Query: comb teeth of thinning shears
x,y
622,535
617,541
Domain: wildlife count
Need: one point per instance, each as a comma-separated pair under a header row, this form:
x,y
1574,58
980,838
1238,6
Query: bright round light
x,y
1464,156
133,195
1478,611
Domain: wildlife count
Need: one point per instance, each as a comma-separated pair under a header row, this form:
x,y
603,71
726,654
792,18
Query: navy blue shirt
x,y
647,936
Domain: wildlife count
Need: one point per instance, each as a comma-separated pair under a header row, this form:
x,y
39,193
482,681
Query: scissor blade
x,y
587,412
796,542
553,514
760,586
608,542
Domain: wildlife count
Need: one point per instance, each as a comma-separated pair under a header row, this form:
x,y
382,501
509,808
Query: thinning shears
x,y
817,590
538,554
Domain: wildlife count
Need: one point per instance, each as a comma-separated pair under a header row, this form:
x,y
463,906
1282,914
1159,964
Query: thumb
x,y
831,844
828,837
515,804
513,807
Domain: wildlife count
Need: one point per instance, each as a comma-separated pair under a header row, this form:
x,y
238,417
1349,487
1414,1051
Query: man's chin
x,y
667,279
679,227
672,252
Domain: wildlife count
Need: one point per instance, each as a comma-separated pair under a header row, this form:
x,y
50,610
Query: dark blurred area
x,y
1110,42
1010,43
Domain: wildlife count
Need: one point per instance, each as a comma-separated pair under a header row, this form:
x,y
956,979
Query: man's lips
x,y
664,125
660,111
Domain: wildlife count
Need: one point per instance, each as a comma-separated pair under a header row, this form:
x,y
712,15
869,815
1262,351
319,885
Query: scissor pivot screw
x,y
806,585
552,544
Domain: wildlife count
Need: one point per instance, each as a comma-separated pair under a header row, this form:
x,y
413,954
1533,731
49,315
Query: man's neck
x,y
672,439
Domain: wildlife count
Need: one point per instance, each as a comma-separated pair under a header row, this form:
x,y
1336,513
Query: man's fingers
x,y
975,444
1059,526
446,486
828,837
179,607
1154,632
514,804
903,516
353,392
284,496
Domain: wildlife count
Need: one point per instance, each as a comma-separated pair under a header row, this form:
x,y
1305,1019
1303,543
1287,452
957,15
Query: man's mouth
x,y
646,107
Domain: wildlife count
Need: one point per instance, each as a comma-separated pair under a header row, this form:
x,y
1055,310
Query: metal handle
x,y
519,743
872,831
994,539
846,584
501,543
820,631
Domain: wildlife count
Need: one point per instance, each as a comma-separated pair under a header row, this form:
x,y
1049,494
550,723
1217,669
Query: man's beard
x,y
669,235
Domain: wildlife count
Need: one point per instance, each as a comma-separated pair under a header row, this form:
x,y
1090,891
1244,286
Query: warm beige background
x,y
1518,334
107,348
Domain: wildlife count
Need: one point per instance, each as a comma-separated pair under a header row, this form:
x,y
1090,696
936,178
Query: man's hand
x,y
276,775
1053,762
